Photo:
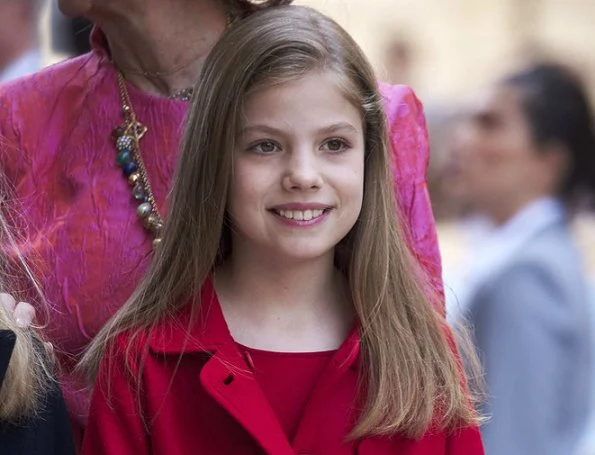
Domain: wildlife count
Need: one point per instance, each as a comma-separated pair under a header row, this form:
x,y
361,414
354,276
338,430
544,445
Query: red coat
x,y
214,406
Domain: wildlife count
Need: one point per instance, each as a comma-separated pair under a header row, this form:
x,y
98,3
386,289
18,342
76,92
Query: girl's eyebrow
x,y
329,129
339,126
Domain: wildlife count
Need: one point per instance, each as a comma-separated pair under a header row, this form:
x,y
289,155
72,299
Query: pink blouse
x,y
80,229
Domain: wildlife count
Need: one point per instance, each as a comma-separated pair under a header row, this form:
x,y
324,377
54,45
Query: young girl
x,y
33,417
283,312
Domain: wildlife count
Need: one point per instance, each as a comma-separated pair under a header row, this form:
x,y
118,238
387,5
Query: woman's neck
x,y
168,42
285,307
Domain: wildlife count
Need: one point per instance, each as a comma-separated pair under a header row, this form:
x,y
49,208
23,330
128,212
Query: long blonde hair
x,y
27,378
412,378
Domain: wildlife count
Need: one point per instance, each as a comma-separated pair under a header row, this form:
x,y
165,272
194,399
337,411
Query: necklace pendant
x,y
127,138
139,130
136,130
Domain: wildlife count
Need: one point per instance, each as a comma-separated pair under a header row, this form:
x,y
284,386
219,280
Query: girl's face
x,y
298,176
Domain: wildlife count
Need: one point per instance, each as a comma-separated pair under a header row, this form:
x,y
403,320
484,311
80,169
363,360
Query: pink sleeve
x,y
410,146
19,104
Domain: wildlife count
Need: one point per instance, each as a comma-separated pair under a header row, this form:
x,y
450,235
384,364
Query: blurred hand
x,y
22,312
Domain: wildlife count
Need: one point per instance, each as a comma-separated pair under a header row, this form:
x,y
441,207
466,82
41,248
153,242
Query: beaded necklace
x,y
127,138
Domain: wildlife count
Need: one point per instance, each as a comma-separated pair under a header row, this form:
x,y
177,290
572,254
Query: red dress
x,y
287,380
198,394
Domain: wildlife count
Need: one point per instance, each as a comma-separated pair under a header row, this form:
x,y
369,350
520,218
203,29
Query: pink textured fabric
x,y
411,155
81,232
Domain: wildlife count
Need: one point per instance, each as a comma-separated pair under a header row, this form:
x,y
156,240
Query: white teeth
x,y
299,215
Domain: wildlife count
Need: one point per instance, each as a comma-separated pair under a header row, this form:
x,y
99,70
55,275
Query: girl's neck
x,y
285,307
170,38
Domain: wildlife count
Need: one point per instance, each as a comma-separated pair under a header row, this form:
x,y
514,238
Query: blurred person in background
x,y
70,36
19,51
399,61
525,157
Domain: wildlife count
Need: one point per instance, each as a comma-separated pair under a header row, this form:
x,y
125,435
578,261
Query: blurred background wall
x,y
447,49
450,48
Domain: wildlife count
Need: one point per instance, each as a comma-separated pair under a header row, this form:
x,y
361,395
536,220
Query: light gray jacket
x,y
530,323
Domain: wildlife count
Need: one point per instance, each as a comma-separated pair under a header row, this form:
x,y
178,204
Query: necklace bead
x,y
184,94
124,143
117,132
153,223
123,158
139,193
144,210
134,178
129,168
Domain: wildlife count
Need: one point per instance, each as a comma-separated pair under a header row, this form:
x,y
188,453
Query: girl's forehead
x,y
313,88
312,100
325,76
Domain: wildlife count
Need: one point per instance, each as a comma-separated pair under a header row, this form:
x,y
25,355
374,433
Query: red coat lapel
x,y
226,375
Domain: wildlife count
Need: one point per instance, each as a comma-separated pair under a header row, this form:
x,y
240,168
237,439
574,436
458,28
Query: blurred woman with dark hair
x,y
526,160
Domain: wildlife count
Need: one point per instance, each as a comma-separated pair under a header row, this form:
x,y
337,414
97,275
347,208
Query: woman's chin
x,y
74,8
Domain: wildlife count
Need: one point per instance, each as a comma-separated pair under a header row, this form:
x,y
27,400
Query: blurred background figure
x,y
399,62
69,36
524,161
20,53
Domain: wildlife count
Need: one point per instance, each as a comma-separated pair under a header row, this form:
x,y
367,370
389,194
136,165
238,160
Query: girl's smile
x,y
301,214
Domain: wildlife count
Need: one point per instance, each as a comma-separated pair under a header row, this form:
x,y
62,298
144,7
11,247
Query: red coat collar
x,y
207,331
203,331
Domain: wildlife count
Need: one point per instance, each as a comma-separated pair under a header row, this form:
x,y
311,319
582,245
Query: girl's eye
x,y
264,147
335,145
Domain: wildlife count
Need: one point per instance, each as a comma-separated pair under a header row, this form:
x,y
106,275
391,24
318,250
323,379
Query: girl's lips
x,y
301,206
301,218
